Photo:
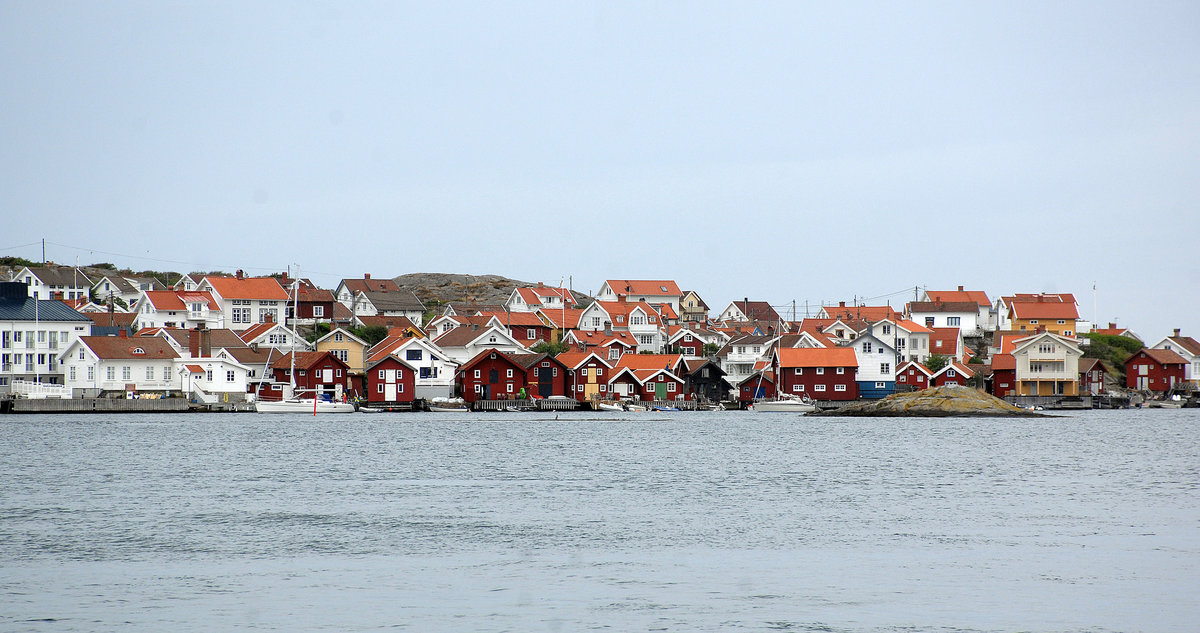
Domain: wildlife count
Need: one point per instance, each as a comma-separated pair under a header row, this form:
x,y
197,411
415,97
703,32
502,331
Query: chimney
x,y
1113,326
268,318
240,274
123,333
366,275
1176,332
283,279
841,304
541,285
205,340
960,288
607,328
194,343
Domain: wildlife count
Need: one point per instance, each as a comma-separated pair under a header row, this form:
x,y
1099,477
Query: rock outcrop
x,y
935,402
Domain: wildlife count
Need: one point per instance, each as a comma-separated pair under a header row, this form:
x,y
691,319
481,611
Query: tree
x,y
553,348
372,334
711,349
936,362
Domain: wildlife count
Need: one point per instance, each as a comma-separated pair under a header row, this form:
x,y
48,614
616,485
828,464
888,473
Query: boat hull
x,y
302,406
777,406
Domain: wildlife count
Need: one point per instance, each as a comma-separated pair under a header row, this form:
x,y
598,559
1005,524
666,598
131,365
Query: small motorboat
x,y
794,405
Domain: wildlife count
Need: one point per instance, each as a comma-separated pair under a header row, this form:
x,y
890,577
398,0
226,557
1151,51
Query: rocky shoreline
x,y
953,401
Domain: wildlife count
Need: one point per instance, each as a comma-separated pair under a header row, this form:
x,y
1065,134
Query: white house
x,y
400,303
464,343
986,317
127,289
433,369
876,376
741,354
245,301
33,335
219,378
963,315
651,291
96,364
54,282
537,298
178,309
275,335
640,319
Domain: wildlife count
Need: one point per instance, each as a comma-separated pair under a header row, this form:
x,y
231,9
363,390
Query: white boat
x,y
793,405
301,405
449,405
608,406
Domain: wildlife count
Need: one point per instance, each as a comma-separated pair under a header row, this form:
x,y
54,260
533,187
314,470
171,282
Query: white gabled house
x,y
54,282
640,319
541,297
433,369
177,309
651,291
876,374
464,343
276,335
96,364
245,301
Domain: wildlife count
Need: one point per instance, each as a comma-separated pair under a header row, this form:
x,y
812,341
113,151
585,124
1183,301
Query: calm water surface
x,y
619,522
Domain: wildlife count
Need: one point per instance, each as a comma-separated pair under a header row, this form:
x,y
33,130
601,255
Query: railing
x,y
39,390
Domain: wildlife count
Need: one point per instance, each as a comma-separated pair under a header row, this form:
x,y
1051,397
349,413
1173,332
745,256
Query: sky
x,y
780,151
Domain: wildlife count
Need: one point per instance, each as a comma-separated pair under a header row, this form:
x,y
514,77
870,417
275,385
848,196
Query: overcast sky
x,y
781,151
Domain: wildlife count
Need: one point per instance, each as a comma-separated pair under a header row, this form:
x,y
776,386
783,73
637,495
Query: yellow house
x,y
347,347
1057,317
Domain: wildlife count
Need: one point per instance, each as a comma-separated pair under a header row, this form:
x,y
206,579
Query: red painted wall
x,y
394,372
810,380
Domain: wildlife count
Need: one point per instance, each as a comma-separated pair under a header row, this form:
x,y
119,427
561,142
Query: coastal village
x,y
91,336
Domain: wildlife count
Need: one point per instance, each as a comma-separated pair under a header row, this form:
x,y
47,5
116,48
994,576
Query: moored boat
x,y
793,405
301,405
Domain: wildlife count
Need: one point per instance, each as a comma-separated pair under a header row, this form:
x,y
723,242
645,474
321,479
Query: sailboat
x,y
292,402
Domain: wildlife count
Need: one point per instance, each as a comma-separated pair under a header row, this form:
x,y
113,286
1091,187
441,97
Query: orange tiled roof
x,y
978,297
649,287
122,348
1044,310
817,357
649,361
261,288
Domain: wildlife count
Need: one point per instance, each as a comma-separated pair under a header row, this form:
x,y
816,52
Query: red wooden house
x,y
545,376
491,375
624,384
319,371
660,384
912,376
312,304
390,380
820,373
759,385
526,327
954,373
1154,370
587,375
1091,376
1004,375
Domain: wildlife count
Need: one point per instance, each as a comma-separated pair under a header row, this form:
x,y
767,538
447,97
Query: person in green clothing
x,y
521,394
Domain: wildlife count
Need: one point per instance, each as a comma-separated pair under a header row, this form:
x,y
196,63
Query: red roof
x,y
1160,356
371,285
261,288
650,361
1044,310
120,347
178,299
195,369
1004,362
862,313
573,360
977,297
817,357
565,319
514,319
648,287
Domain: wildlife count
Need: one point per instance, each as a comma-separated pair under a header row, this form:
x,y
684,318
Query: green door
x,y
660,391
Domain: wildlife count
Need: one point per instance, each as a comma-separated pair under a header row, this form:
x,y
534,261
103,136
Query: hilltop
x,y
441,288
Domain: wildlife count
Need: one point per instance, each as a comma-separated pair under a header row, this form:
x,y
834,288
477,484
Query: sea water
x,y
680,521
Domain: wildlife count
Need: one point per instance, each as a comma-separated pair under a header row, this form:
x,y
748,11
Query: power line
x,y
9,248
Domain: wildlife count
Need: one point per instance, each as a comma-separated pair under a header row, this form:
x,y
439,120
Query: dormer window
x,y
138,350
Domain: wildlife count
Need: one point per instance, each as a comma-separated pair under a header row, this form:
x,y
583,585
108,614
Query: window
x,y
338,337
797,387
818,387
230,376
208,375
584,372
149,372
839,387
509,374
1033,321
476,373
646,339
880,385
318,311
412,354
72,373
1062,322
530,333
887,329
379,387
341,354
820,371
556,372
599,371
799,371
866,348
670,387
400,388
91,373
950,373
886,368
338,372
1046,348
953,321
928,321
126,373
841,370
